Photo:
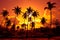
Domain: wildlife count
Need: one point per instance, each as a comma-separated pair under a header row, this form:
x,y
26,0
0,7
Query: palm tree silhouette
x,y
17,28
5,13
24,16
35,15
17,10
8,23
29,10
23,25
43,20
29,19
50,7
33,25
13,27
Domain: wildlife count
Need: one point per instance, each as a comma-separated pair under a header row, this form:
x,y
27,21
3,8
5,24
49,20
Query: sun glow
x,y
19,20
37,20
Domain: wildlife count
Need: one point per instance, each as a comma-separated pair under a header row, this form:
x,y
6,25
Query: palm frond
x,y
45,8
53,3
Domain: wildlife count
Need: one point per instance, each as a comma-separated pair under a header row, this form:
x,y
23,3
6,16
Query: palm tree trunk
x,y
50,18
34,22
27,29
27,25
24,23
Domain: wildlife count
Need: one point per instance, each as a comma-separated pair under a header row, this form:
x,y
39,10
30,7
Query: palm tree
x,y
13,27
50,7
17,10
33,25
29,13
43,20
17,28
29,10
29,19
5,13
8,23
23,25
35,15
24,16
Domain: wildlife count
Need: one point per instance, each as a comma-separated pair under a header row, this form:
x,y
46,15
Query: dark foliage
x,y
5,13
50,5
35,14
25,15
13,27
29,10
8,23
43,20
17,10
23,25
33,24
29,19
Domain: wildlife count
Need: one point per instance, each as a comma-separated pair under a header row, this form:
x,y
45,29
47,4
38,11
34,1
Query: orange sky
x,y
35,4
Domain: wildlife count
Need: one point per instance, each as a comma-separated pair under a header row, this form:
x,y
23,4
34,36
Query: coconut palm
x,y
8,23
50,7
33,25
29,10
35,15
23,25
43,20
29,13
17,28
5,13
17,10
29,19
24,16
13,27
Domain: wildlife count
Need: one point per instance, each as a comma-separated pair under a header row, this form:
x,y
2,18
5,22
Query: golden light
x,y
19,20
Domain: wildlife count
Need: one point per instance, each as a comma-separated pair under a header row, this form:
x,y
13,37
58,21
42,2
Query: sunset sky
x,y
35,4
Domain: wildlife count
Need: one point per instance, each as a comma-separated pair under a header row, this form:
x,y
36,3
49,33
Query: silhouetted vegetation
x,y
12,29
50,7
5,13
17,10
43,20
